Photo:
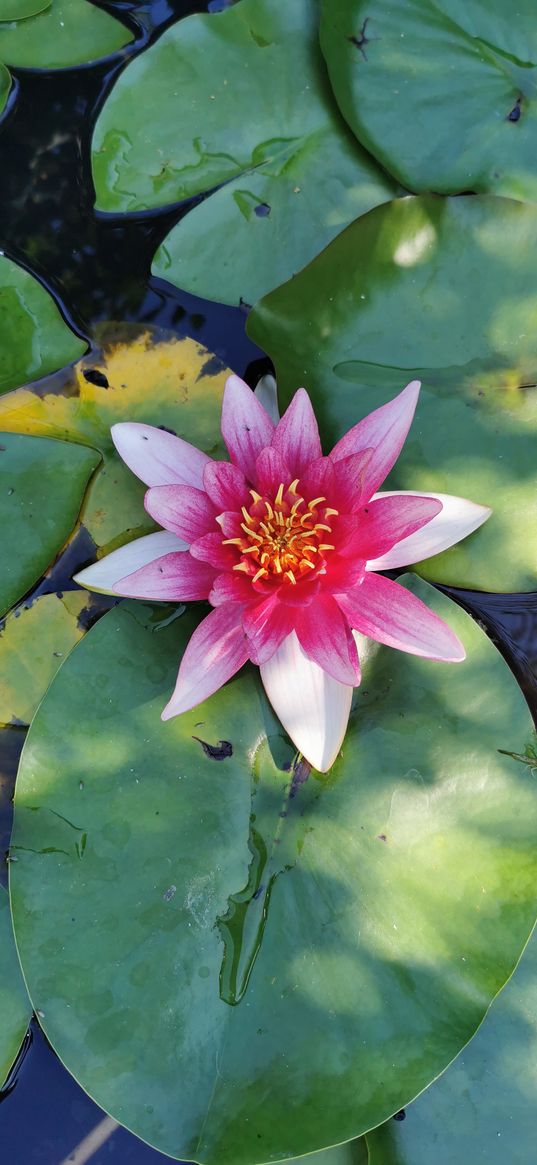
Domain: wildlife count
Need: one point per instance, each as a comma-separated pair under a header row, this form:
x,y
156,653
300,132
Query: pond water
x,y
99,271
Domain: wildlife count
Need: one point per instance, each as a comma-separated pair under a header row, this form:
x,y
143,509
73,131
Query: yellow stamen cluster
x,y
287,537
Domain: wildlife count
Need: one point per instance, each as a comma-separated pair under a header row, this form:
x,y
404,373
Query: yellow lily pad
x,y
33,644
138,373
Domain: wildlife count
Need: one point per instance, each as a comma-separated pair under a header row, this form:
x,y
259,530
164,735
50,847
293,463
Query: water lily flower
x,y
285,544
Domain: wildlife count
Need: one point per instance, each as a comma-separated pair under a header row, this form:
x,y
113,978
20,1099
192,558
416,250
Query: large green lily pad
x,y
42,484
443,92
240,98
33,643
137,374
483,1108
444,290
15,1009
67,33
34,338
243,966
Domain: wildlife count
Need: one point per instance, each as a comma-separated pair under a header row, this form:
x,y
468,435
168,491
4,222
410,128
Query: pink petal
x,y
384,431
184,510
226,485
296,435
266,626
210,548
350,480
317,479
175,577
104,575
457,518
157,457
270,471
342,573
217,649
313,707
230,523
382,523
325,636
246,427
385,611
232,587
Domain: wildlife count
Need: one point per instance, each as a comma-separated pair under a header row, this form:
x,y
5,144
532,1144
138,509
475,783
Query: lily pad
x,y
483,1107
67,33
42,484
5,86
352,1153
139,374
238,97
444,290
33,643
34,338
15,1009
443,92
326,945
21,9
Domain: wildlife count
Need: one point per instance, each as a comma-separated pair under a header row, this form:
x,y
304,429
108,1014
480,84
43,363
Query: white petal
x,y
267,395
158,457
103,575
313,708
457,518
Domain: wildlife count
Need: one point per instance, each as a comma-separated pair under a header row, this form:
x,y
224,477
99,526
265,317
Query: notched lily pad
x,y
444,290
138,374
240,98
443,92
326,945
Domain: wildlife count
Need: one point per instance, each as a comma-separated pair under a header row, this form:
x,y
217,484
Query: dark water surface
x,y
99,270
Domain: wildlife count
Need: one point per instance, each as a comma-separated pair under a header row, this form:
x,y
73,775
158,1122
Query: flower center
x,y
287,538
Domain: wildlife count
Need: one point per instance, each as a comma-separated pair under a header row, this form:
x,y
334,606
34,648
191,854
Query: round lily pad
x,y
34,338
483,1107
15,1009
42,484
238,98
325,945
443,290
139,373
443,92
67,33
